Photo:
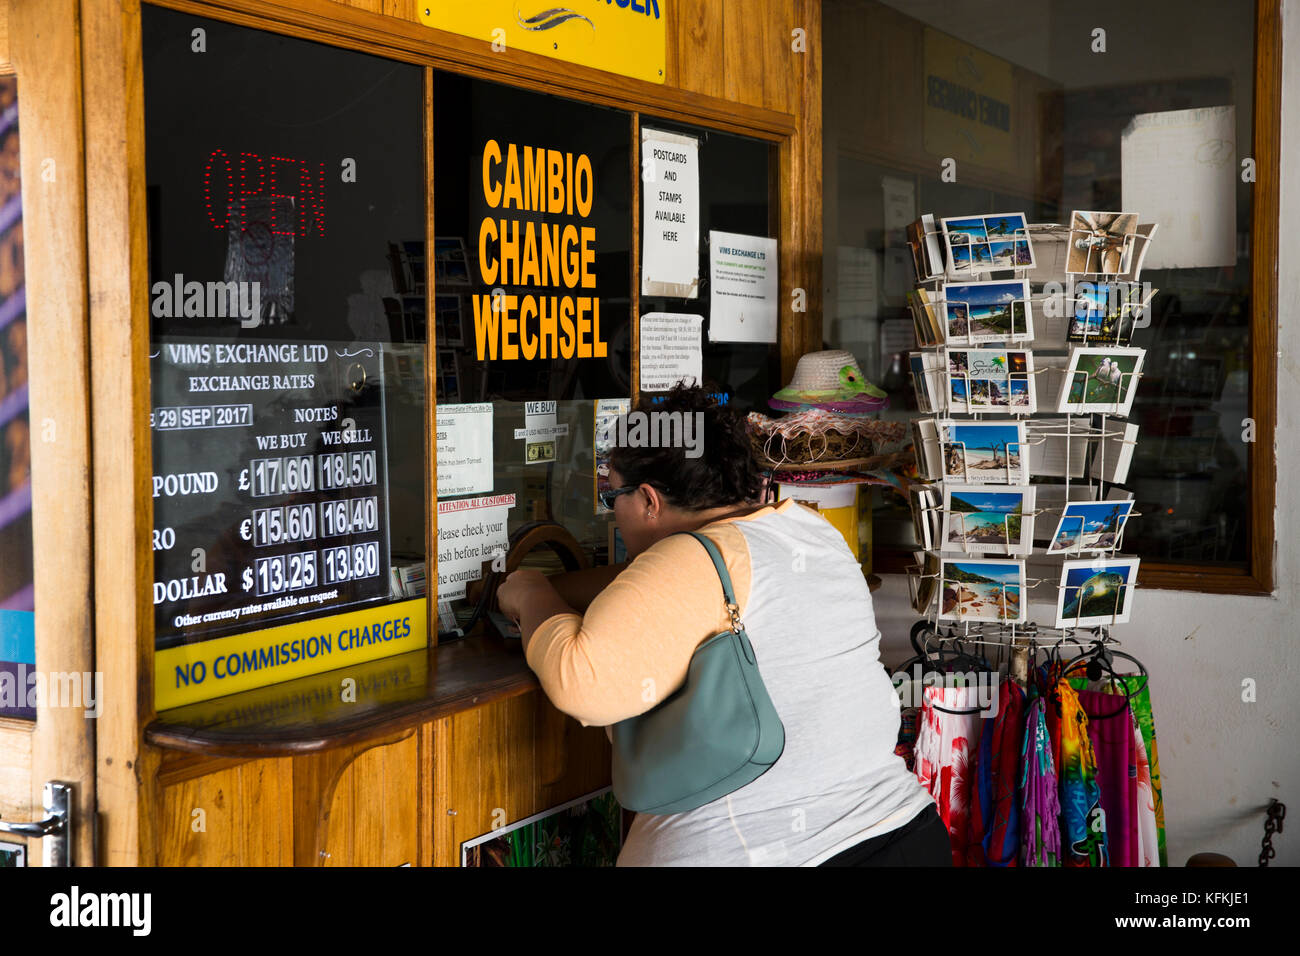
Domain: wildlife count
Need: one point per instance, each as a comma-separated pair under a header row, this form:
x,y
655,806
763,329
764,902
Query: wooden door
x,y
52,694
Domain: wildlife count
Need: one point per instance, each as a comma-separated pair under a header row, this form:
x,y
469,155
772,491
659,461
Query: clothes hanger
x,y
960,658
1099,660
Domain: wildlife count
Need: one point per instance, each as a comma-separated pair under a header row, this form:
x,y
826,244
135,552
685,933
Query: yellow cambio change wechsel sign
x,y
227,665
621,36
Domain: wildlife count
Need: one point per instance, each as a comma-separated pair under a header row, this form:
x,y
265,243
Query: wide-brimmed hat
x,y
817,440
829,380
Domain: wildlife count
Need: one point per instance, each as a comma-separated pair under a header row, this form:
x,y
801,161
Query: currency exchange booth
x,y
322,305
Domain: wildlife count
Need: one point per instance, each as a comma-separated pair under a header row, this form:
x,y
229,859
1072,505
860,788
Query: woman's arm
x,y
633,646
579,588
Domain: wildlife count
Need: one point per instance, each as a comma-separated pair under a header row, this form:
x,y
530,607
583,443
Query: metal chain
x,y
1272,824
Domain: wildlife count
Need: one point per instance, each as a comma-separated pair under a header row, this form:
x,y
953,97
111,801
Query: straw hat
x,y
829,380
817,440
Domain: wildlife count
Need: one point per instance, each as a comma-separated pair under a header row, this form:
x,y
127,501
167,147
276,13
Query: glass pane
x,y
286,216
17,620
532,275
956,108
735,190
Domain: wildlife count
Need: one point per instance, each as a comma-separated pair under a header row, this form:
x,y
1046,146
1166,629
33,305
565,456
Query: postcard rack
x,y
971,582
941,518
1100,441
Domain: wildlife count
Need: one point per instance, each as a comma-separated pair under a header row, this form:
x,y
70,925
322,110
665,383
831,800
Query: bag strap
x,y
721,567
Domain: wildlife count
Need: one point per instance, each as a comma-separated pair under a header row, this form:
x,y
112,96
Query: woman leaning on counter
x,y
838,795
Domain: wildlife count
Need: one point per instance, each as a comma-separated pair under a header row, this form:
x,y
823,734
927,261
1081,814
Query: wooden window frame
x,y
1257,578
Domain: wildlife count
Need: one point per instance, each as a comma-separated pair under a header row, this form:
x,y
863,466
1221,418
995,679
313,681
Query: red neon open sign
x,y
229,182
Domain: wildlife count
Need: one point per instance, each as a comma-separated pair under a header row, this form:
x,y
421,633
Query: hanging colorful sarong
x,y
1140,703
1083,823
1145,805
995,810
1040,806
946,751
1110,731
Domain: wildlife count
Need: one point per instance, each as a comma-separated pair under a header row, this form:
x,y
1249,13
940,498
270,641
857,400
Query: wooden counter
x,y
395,761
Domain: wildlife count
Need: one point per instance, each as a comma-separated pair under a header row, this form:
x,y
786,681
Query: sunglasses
x,y
607,496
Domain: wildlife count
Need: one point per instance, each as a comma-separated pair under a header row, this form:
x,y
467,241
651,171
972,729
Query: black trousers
x,y
923,841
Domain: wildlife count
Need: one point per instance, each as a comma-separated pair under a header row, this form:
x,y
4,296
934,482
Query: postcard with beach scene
x,y
985,453
989,243
1104,312
987,312
988,519
982,591
1096,592
1101,243
1101,380
1090,526
991,380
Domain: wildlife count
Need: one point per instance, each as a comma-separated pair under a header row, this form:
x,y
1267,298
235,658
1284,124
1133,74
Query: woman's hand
x,y
520,589
529,598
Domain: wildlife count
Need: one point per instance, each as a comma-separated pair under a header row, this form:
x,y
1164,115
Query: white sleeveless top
x,y
838,782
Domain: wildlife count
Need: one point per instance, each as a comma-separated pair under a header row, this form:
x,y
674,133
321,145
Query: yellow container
x,y
838,504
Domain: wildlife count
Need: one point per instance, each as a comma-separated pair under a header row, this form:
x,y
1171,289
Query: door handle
x,y
55,830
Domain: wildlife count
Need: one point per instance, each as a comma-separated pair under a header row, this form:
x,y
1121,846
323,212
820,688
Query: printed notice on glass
x,y
608,412
670,214
540,432
464,449
1180,170
471,531
270,485
742,280
671,350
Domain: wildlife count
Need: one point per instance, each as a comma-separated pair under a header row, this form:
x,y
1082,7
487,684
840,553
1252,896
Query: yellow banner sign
x,y
968,101
227,665
621,36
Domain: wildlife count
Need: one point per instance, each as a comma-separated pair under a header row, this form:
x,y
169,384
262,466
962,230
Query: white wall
x,y
1221,759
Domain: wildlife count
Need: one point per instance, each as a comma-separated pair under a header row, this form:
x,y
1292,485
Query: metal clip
x,y
733,611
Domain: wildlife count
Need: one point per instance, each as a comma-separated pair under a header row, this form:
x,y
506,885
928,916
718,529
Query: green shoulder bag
x,y
715,734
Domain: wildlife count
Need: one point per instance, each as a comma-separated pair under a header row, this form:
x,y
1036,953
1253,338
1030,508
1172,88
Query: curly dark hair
x,y
725,472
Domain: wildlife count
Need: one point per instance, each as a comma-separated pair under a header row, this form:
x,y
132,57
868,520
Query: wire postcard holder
x,y
987,598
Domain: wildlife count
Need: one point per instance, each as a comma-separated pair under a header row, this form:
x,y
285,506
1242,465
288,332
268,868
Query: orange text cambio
x,y
537,255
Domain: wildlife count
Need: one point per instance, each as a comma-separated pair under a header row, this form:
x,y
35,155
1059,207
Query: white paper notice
x,y
900,202
858,282
608,412
672,349
670,214
1180,170
470,531
743,288
464,449
539,432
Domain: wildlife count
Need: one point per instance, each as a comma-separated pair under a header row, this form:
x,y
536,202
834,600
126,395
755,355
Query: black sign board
x,y
285,184
270,483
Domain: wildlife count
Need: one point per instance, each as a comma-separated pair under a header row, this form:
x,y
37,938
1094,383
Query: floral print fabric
x,y
946,750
